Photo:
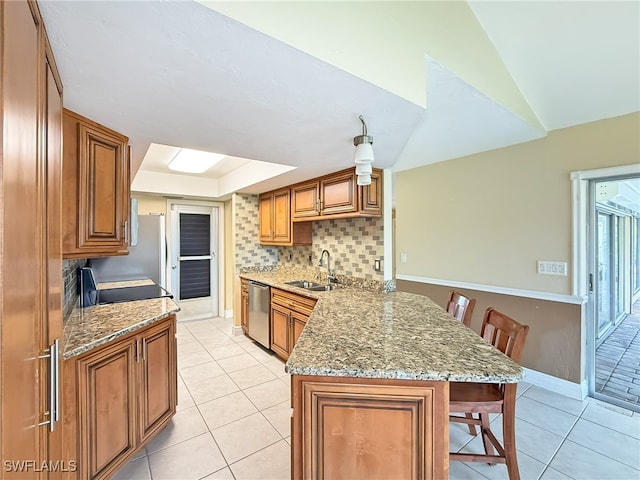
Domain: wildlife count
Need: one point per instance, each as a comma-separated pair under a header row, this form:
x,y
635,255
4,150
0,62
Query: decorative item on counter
x,y
363,155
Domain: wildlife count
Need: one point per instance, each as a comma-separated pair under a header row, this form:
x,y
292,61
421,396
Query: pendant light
x,y
364,155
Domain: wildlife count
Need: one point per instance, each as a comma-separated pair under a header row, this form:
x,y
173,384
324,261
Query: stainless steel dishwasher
x,y
259,325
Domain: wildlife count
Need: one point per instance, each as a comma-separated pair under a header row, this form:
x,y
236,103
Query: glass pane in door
x,y
195,279
195,255
619,268
604,274
195,234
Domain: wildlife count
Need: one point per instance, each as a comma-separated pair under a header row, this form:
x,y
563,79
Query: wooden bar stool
x,y
460,307
509,337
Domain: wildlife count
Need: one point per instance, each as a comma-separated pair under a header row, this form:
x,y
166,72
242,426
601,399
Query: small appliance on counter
x,y
90,295
87,287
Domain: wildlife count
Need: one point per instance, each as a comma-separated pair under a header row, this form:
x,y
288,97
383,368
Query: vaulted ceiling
x,y
284,82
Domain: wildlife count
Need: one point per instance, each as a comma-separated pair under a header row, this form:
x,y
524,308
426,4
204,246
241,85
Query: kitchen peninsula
x,y
370,375
119,380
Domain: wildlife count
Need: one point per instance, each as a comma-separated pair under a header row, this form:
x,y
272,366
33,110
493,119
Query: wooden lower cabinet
x,y
158,381
289,315
363,428
244,305
107,412
124,394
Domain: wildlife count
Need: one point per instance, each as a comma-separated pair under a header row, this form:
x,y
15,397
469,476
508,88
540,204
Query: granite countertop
x,y
355,332
90,327
124,284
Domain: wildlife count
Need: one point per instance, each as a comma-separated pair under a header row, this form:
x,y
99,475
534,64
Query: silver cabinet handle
x,y
126,232
144,349
54,385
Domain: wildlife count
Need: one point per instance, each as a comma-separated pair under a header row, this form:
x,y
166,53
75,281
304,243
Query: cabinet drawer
x,y
292,301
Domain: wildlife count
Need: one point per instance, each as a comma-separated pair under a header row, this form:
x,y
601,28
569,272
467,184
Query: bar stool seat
x,y
481,399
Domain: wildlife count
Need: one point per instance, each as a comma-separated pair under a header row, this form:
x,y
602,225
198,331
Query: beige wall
x,y
488,218
553,343
150,204
229,256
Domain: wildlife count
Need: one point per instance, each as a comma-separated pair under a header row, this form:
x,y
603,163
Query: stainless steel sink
x,y
313,286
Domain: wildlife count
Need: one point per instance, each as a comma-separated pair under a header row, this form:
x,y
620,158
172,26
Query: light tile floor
x,y
233,423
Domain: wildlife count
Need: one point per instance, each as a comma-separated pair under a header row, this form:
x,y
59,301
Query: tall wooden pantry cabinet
x,y
30,244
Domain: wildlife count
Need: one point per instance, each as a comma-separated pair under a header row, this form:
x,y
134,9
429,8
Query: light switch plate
x,y
546,267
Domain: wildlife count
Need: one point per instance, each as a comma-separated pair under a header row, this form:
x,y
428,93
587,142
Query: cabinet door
x,y
282,216
338,194
244,313
20,232
266,217
280,334
371,195
349,427
158,379
305,200
299,321
103,172
107,408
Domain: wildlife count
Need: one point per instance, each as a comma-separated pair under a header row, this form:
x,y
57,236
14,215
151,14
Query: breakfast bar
x,y
370,382
370,387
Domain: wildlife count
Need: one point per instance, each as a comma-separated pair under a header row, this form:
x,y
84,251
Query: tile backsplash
x,y
70,282
353,243
249,252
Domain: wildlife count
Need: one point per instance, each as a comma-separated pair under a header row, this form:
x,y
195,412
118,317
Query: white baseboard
x,y
236,330
228,314
569,389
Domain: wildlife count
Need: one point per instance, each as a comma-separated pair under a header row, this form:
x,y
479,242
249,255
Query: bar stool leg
x,y
472,428
488,446
509,431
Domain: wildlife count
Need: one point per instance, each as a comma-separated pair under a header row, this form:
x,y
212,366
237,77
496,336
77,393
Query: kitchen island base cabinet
x,y
289,315
364,428
123,394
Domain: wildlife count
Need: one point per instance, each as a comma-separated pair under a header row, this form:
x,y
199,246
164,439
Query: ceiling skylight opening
x,y
194,161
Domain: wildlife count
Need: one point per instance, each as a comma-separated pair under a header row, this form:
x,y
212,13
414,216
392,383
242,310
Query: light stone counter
x,y
354,332
124,284
90,327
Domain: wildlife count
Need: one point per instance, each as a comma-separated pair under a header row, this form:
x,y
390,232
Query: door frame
x,y
582,259
171,204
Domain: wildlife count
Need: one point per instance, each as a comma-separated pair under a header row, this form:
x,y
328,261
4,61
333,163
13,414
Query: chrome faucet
x,y
330,276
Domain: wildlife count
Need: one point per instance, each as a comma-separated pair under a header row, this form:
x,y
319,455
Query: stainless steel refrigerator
x,y
146,259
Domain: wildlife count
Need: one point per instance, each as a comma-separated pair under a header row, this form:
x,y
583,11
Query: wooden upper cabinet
x,y
338,193
305,200
275,226
265,207
337,196
96,189
370,197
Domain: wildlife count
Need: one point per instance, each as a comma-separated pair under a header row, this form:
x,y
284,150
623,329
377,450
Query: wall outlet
x,y
403,258
546,267
376,264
